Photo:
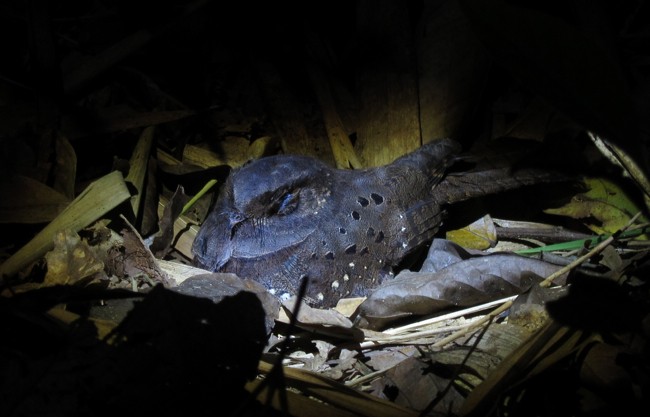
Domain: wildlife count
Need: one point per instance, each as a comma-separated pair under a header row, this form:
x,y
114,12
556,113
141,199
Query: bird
x,y
280,219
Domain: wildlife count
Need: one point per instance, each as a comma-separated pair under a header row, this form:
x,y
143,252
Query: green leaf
x,y
605,202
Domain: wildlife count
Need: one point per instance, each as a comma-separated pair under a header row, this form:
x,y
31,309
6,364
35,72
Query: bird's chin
x,y
210,263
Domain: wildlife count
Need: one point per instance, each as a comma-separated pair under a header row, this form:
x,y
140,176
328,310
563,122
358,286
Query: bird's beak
x,y
211,249
235,218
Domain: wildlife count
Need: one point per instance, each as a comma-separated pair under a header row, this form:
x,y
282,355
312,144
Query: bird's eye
x,y
287,203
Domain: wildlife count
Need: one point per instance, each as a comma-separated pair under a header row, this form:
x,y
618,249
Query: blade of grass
x,y
584,243
198,195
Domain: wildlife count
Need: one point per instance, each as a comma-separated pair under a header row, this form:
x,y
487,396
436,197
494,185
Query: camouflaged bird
x,y
284,217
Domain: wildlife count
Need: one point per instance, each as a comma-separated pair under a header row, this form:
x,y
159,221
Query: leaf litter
x,y
468,332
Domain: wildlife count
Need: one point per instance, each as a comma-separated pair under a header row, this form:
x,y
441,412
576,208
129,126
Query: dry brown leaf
x,y
413,383
325,322
458,280
71,260
162,242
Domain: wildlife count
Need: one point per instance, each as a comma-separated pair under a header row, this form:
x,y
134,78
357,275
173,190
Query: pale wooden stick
x,y
473,326
452,315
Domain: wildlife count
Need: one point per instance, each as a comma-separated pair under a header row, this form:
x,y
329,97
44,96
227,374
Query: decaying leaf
x,y
456,279
605,202
390,356
481,234
414,384
163,241
325,322
439,380
71,260
134,260
529,310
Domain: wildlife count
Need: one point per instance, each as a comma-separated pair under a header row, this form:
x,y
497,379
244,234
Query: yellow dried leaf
x,y
605,202
479,235
71,260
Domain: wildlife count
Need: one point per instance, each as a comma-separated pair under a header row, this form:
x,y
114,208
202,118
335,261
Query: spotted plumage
x,y
283,217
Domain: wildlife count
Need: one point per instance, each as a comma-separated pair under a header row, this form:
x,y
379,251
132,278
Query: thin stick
x,y
465,330
405,338
473,326
449,316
